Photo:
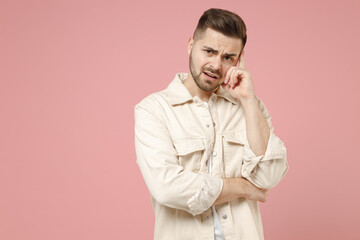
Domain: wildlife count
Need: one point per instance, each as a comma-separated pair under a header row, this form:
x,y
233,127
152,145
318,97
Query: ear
x,y
190,44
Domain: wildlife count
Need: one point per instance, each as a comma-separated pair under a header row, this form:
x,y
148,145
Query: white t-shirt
x,y
219,235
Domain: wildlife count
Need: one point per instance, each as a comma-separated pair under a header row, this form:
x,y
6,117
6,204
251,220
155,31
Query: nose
x,y
216,63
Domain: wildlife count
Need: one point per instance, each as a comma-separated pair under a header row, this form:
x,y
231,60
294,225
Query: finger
x,y
238,75
238,61
225,86
242,60
227,77
234,78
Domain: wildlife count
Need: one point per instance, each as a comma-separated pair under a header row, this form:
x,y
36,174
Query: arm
x,y
264,169
264,161
234,188
257,129
167,181
239,84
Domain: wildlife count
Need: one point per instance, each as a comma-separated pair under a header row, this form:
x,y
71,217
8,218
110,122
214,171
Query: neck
x,y
194,90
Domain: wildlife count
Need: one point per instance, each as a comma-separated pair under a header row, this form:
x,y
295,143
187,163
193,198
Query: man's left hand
x,y
238,81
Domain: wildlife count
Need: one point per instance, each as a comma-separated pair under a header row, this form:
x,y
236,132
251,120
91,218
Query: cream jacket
x,y
174,137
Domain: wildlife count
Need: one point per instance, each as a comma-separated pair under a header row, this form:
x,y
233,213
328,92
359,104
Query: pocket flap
x,y
235,137
185,146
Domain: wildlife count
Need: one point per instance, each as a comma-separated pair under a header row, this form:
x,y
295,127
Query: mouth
x,y
210,75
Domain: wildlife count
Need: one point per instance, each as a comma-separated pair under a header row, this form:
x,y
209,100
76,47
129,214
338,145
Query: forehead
x,y
219,41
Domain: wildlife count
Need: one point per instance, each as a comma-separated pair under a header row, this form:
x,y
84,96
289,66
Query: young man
x,y
205,145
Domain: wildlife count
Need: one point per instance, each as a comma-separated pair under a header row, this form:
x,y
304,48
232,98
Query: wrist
x,y
249,102
240,187
234,187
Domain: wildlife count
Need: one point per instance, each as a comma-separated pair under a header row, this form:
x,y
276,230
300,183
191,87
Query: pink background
x,y
71,73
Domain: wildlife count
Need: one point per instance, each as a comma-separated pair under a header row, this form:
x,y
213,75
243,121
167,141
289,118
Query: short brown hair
x,y
224,21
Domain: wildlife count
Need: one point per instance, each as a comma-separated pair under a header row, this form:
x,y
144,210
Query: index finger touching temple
x,y
241,63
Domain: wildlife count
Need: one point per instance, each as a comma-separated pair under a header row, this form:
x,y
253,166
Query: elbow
x,y
268,178
277,176
167,197
161,196
171,201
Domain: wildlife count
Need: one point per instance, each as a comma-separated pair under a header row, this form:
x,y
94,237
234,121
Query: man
x,y
205,145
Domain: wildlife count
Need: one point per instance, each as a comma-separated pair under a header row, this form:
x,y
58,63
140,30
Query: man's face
x,y
211,56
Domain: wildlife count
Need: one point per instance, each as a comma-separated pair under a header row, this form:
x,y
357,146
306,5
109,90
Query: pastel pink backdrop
x,y
72,72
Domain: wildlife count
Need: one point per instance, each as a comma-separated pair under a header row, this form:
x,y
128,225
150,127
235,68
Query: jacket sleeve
x,y
265,171
168,182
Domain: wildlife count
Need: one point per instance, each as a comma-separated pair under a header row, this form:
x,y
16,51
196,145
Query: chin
x,y
209,86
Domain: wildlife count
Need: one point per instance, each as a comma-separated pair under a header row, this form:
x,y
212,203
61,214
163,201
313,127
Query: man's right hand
x,y
234,188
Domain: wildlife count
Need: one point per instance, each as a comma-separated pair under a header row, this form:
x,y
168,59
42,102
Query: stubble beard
x,y
206,85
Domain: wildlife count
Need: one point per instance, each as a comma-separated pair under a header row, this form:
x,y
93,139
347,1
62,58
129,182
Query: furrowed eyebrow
x,y
216,51
231,54
211,49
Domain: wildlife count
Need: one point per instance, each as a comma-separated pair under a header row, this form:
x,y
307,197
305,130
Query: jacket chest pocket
x,y
190,151
233,149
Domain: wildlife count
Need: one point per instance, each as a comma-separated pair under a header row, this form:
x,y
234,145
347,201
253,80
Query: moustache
x,y
217,72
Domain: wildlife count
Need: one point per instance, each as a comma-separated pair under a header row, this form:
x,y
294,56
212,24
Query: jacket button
x,y
214,154
224,216
214,124
207,125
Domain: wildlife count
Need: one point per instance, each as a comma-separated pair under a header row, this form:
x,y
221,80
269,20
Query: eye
x,y
208,51
228,58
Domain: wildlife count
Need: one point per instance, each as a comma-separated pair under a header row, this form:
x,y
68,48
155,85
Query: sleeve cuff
x,y
207,194
275,149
